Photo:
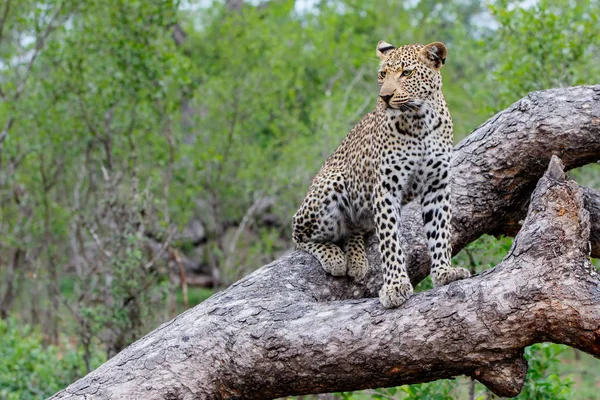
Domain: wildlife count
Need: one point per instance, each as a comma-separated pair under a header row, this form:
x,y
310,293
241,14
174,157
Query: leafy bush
x,y
28,369
438,390
541,382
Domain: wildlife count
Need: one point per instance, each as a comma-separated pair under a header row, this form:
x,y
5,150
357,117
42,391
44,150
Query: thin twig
x,y
3,19
161,249
472,262
7,127
99,243
85,115
182,276
39,44
245,221
472,389
357,77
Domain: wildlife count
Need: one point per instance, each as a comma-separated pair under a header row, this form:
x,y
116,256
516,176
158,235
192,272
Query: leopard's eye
x,y
381,74
406,72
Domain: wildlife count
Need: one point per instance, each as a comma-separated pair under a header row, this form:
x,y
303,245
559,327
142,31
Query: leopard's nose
x,y
386,97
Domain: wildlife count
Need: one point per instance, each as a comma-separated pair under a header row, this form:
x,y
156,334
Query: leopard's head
x,y
409,75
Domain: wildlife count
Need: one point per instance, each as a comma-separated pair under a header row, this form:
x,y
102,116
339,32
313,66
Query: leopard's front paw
x,y
448,275
394,295
358,267
335,265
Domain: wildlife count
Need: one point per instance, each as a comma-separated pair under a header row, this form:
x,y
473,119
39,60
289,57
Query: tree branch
x,y
289,328
3,20
253,342
40,41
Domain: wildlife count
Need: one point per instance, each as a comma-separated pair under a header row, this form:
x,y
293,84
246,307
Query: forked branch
x,y
289,328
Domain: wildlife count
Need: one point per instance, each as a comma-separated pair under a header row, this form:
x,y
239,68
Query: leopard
x,y
400,151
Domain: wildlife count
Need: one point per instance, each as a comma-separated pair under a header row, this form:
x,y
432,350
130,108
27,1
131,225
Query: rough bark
x,y
290,329
497,167
592,204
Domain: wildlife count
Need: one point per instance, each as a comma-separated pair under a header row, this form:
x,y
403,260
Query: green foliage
x,y
195,296
118,289
30,370
541,383
439,390
552,43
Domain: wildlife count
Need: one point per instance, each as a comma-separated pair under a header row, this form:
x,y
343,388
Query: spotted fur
x,y
399,151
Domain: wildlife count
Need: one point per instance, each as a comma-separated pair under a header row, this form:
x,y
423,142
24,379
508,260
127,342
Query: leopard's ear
x,y
383,48
434,55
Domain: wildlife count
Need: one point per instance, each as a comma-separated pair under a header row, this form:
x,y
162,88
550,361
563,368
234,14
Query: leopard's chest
x,y
406,149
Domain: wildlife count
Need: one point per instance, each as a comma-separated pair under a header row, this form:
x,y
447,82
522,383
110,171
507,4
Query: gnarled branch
x,y
289,328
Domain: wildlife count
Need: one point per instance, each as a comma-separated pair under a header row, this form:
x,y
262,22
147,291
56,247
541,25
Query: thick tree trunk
x,y
290,329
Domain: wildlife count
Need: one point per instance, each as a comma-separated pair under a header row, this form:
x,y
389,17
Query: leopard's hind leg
x,y
330,256
321,222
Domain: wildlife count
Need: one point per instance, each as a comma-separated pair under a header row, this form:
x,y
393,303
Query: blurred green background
x,y
153,152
